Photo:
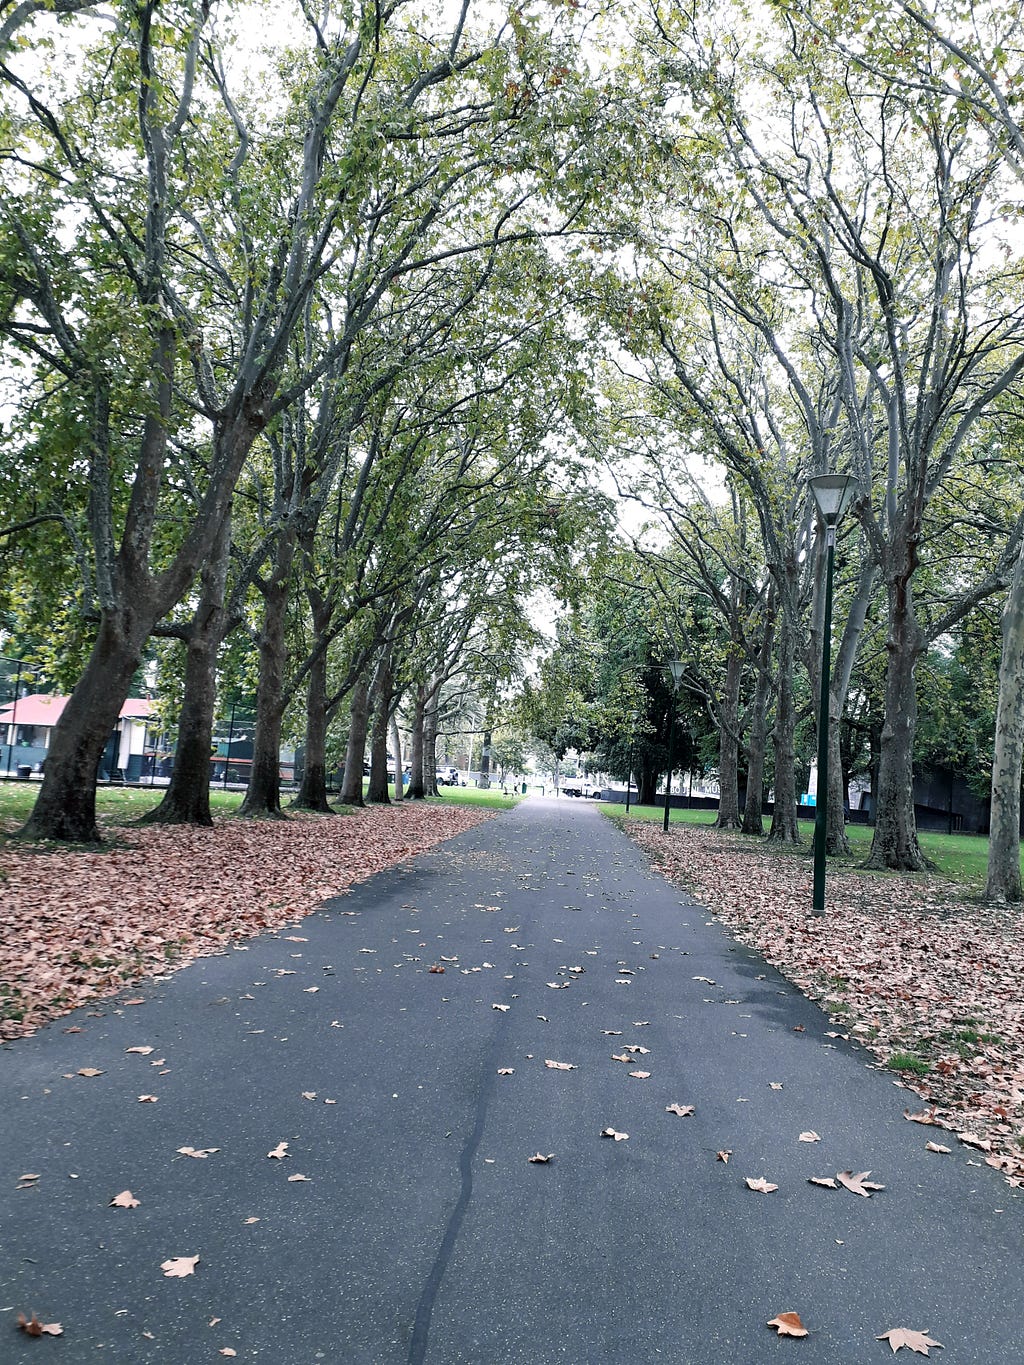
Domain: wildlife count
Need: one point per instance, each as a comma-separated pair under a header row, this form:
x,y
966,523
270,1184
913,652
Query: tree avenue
x,y
322,349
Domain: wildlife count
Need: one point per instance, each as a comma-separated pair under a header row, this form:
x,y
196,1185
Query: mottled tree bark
x,y
1003,882
187,798
377,789
358,724
417,785
263,795
785,827
895,844
729,745
396,749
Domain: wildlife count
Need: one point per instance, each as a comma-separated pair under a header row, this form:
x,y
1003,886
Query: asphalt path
x,y
420,1231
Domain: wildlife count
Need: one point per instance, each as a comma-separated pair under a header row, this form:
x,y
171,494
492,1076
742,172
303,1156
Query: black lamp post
x,y
832,495
675,667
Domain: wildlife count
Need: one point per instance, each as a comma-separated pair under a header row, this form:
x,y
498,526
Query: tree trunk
x,y
757,744
396,749
753,810
836,842
728,746
430,747
784,827
359,723
187,798
377,791
65,808
417,788
646,785
312,793
263,794
895,842
1003,882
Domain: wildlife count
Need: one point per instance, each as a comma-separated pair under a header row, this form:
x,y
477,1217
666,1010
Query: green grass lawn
x,y
962,858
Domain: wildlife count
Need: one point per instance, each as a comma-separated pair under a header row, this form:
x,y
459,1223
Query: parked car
x,y
575,786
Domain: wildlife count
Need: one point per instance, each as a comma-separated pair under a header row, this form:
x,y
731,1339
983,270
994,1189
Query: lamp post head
x,y
832,495
676,668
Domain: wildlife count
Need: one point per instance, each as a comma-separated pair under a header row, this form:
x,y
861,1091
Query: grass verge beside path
x,y
912,968
958,857
78,923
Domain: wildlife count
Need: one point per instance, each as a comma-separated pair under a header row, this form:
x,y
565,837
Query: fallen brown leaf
x,y
142,1051
760,1184
228,1351
640,1075
34,1328
437,969
292,1179
788,1325
200,1153
506,1071
904,1336
124,1200
724,1155
809,1137
858,1184
148,1099
539,1159
683,1110
611,1133
179,1266
89,1071
561,1066
923,1116
828,1181
279,1152
936,1147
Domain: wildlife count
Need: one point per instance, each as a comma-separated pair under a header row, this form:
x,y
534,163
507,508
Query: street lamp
x,y
832,495
675,667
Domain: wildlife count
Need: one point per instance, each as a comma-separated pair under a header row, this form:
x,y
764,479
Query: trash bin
x,y
24,771
524,788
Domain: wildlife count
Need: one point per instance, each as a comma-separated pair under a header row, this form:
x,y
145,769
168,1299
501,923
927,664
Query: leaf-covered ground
x,y
928,981
75,925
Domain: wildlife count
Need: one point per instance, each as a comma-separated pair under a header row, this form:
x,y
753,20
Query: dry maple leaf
x,y
34,1328
683,1110
539,1159
200,1153
774,1085
142,1051
809,1136
309,1094
724,1155
905,1336
924,1116
640,1075
293,1178
788,1325
760,1184
504,1008
89,1071
828,1181
148,1099
506,1071
227,1351
937,1147
858,1184
124,1200
560,1066
621,1057
611,1133
279,1152
437,969
179,1266
247,1222
972,1140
